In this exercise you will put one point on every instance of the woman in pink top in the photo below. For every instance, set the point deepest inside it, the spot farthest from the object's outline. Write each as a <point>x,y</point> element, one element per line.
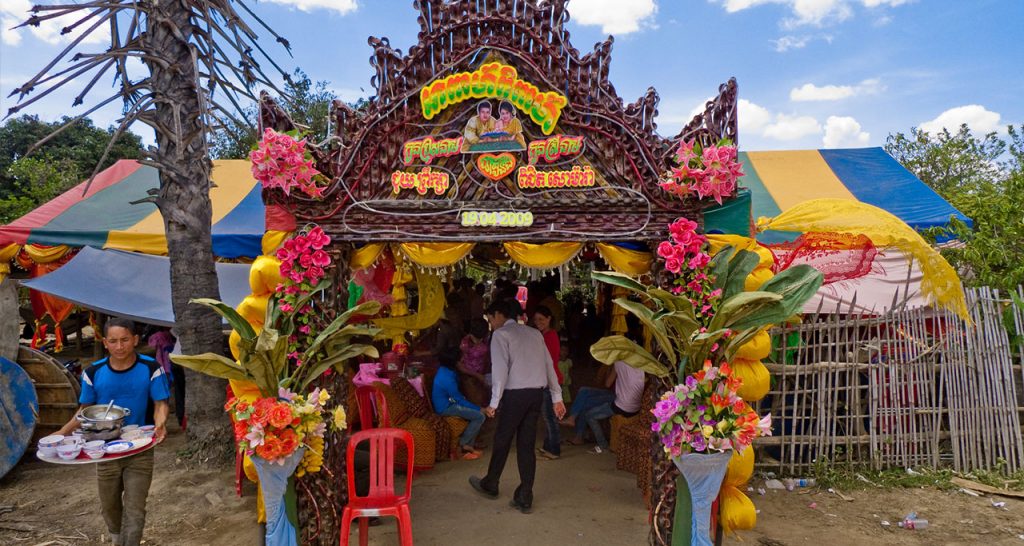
<point>543,320</point>
<point>475,362</point>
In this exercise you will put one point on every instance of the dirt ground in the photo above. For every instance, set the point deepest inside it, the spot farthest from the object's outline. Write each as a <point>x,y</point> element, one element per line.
<point>580,499</point>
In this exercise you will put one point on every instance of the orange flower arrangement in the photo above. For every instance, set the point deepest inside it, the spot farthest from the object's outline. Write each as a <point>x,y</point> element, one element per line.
<point>273,429</point>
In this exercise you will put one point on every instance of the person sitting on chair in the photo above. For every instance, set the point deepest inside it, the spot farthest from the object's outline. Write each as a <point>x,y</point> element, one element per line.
<point>449,401</point>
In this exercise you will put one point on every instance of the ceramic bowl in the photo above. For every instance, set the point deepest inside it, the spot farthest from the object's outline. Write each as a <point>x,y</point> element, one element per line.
<point>68,451</point>
<point>130,435</point>
<point>94,453</point>
<point>72,441</point>
<point>48,445</point>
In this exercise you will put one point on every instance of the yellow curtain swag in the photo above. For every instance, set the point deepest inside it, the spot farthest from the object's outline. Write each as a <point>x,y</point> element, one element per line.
<point>626,261</point>
<point>542,256</point>
<point>46,254</point>
<point>940,283</point>
<point>434,255</point>
<point>365,256</point>
<point>7,254</point>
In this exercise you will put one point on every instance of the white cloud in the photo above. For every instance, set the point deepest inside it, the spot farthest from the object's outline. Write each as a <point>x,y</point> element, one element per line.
<point>614,16</point>
<point>809,12</point>
<point>15,12</point>
<point>7,35</point>
<point>844,132</point>
<point>979,119</point>
<point>793,127</point>
<point>343,7</point>
<point>891,3</point>
<point>790,42</point>
<point>810,92</point>
<point>752,117</point>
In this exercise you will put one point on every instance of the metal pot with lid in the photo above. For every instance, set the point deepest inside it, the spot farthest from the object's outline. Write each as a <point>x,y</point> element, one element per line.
<point>100,424</point>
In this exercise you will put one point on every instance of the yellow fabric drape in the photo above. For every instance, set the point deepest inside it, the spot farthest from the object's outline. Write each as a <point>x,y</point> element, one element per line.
<point>435,254</point>
<point>431,305</point>
<point>739,242</point>
<point>365,256</point>
<point>272,240</point>
<point>46,254</point>
<point>736,510</point>
<point>624,260</point>
<point>542,256</point>
<point>618,325</point>
<point>940,283</point>
<point>7,254</point>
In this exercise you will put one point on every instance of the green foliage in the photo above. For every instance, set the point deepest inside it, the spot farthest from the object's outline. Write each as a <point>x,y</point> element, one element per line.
<point>263,357</point>
<point>307,102</point>
<point>983,178</point>
<point>27,181</point>
<point>677,330</point>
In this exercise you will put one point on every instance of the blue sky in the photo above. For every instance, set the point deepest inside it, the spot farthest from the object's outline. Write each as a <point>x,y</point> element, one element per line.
<point>811,73</point>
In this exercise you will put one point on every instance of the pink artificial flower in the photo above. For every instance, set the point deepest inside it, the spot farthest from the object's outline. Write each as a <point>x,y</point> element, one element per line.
<point>255,435</point>
<point>286,308</point>
<point>315,273</point>
<point>699,261</point>
<point>295,277</point>
<point>286,394</point>
<point>305,260</point>
<point>685,152</point>
<point>666,250</point>
<point>321,258</point>
<point>284,254</point>
<point>304,329</point>
<point>673,265</point>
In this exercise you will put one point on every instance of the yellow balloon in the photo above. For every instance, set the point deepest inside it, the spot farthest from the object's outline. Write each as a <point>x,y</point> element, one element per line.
<point>253,309</point>
<point>233,340</point>
<point>757,348</point>
<point>755,376</point>
<point>265,275</point>
<point>741,467</point>
<point>737,512</point>
<point>756,278</point>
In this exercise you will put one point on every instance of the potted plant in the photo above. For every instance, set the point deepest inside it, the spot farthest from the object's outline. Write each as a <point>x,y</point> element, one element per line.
<point>698,318</point>
<point>293,348</point>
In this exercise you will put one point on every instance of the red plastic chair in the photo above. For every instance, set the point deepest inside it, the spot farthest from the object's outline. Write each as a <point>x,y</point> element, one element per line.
<point>371,403</point>
<point>381,499</point>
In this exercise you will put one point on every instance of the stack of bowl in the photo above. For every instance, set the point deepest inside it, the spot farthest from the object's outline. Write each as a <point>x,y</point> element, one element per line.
<point>69,448</point>
<point>48,445</point>
<point>94,449</point>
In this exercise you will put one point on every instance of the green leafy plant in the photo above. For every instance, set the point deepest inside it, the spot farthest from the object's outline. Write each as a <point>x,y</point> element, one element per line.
<point>685,338</point>
<point>263,357</point>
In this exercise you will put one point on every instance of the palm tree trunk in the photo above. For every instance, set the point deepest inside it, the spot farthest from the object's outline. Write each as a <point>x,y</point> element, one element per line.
<point>184,202</point>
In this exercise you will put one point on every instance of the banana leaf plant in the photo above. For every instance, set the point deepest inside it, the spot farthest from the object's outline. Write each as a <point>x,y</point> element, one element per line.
<point>686,341</point>
<point>263,356</point>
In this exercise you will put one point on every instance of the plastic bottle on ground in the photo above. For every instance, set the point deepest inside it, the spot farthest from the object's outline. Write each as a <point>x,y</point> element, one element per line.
<point>915,523</point>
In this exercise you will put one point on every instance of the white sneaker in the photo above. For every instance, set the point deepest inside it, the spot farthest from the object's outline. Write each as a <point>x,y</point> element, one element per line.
<point>596,450</point>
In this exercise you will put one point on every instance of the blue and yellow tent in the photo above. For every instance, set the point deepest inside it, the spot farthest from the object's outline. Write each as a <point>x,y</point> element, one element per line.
<point>103,217</point>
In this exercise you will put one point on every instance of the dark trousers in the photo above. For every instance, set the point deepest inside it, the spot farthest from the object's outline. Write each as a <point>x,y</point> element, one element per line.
<point>517,416</point>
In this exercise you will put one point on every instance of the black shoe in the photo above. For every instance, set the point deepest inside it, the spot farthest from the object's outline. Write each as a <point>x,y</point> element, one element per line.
<point>524,508</point>
<point>475,482</point>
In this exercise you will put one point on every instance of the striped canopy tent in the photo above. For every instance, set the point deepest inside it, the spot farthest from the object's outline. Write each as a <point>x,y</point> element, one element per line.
<point>854,268</point>
<point>104,216</point>
<point>780,180</point>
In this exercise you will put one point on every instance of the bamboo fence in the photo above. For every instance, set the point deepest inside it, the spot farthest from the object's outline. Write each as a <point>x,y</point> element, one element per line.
<point>911,387</point>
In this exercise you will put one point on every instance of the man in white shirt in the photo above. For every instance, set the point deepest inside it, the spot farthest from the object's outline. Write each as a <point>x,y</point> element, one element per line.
<point>522,374</point>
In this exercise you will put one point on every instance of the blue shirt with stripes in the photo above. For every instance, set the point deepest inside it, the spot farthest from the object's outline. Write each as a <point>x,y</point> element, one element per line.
<point>135,388</point>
